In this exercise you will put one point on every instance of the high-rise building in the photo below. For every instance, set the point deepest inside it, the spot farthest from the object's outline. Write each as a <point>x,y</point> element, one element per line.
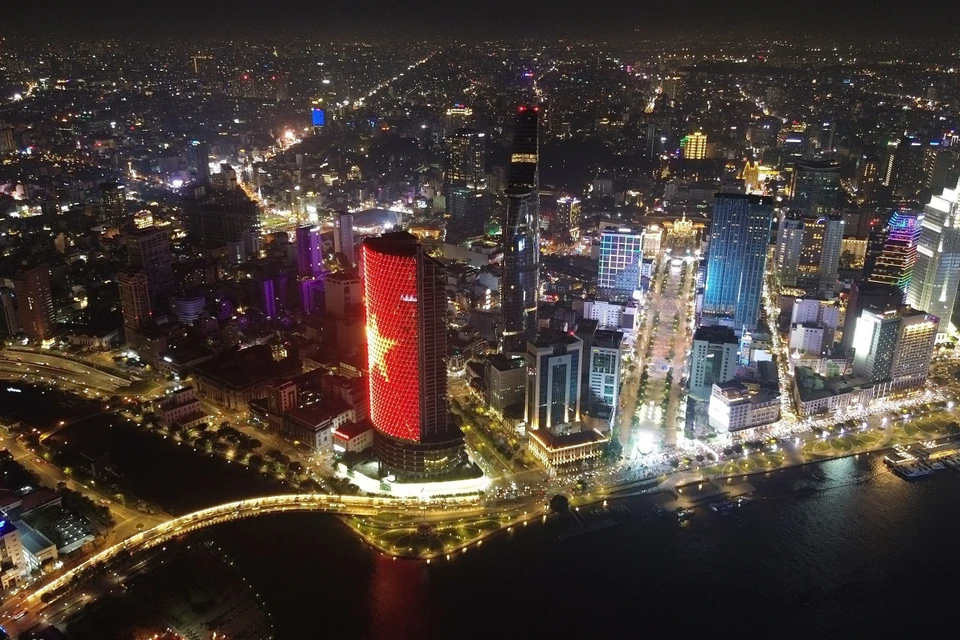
<point>694,146</point>
<point>35,303</point>
<point>8,143</point>
<point>465,189</point>
<point>199,161</point>
<point>457,117</point>
<point>819,260</point>
<point>308,251</point>
<point>895,346</point>
<point>618,268</point>
<point>713,359</point>
<point>815,188</point>
<point>222,215</point>
<point>343,237</point>
<point>941,169</point>
<point>651,240</point>
<point>12,556</point>
<point>554,360</point>
<point>567,217</point>
<point>344,294</point>
<point>907,178</point>
<point>406,347</point>
<point>739,235</point>
<point>148,250</point>
<point>894,264</point>
<point>877,233</point>
<point>936,274</point>
<point>266,295</point>
<point>789,244</point>
<point>519,285</point>
<point>113,199</point>
<point>867,296</point>
<point>134,302</point>
<point>11,323</point>
<point>603,369</point>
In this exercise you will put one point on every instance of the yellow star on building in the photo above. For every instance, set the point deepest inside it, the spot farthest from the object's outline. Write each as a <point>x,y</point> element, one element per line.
<point>378,346</point>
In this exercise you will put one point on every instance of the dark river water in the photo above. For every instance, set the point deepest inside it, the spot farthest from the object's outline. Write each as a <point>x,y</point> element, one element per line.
<point>842,549</point>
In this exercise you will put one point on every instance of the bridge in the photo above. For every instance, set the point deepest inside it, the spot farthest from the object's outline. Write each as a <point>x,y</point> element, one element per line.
<point>60,372</point>
<point>417,511</point>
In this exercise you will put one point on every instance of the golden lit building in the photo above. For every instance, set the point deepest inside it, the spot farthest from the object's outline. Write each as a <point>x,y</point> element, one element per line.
<point>694,146</point>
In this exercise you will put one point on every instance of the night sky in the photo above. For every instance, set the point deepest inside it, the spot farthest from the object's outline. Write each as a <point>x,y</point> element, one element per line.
<point>432,19</point>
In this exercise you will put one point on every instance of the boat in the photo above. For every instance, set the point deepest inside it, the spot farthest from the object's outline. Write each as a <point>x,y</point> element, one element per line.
<point>723,507</point>
<point>913,470</point>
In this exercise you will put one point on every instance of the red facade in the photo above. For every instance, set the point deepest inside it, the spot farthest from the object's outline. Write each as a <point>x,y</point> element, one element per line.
<point>390,289</point>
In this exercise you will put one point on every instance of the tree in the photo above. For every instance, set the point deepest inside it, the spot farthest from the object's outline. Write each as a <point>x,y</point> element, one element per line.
<point>559,503</point>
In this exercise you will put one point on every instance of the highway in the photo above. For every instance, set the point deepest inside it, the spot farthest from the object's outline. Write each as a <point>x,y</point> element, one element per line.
<point>60,372</point>
<point>431,511</point>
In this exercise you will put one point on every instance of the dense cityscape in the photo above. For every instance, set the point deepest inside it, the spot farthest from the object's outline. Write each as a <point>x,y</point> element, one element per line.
<point>447,292</point>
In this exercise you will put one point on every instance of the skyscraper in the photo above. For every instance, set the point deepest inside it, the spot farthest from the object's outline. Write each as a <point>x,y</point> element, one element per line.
<point>308,251</point>
<point>618,269</point>
<point>519,285</point>
<point>134,302</point>
<point>148,250</point>
<point>35,303</point>
<point>907,179</point>
<point>815,187</point>
<point>343,237</point>
<point>113,199</point>
<point>895,345</point>
<point>739,235</point>
<point>464,188</point>
<point>554,359</point>
<point>820,247</point>
<point>567,217</point>
<point>603,369</point>
<point>694,146</point>
<point>406,346</point>
<point>713,359</point>
<point>8,312</point>
<point>222,215</point>
<point>895,262</point>
<point>867,296</point>
<point>933,285</point>
<point>789,244</point>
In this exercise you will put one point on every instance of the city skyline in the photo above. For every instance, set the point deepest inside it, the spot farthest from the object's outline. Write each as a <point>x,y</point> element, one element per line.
<point>290,318</point>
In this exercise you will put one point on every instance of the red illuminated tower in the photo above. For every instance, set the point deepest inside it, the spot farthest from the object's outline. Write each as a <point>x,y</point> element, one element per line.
<point>406,345</point>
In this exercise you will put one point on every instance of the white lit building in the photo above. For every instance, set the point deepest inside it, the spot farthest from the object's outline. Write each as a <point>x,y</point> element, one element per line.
<point>735,406</point>
<point>895,346</point>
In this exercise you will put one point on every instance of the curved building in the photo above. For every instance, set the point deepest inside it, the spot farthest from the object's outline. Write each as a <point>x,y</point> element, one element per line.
<point>519,285</point>
<point>406,344</point>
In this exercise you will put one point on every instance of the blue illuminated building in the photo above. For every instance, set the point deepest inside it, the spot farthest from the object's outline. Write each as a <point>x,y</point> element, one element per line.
<point>318,116</point>
<point>737,258</point>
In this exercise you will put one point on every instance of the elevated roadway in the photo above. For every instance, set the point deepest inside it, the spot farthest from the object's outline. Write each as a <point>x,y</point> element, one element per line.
<point>416,511</point>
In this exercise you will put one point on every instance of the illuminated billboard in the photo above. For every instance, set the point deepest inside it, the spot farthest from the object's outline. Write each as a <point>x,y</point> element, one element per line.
<point>319,116</point>
<point>390,288</point>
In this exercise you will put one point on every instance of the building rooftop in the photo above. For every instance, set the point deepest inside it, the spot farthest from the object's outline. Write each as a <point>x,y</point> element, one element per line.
<point>735,391</point>
<point>353,429</point>
<point>34,541</point>
<point>607,339</point>
<point>576,439</point>
<point>716,334</point>
<point>546,339</point>
<point>501,362</point>
<point>248,366</point>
